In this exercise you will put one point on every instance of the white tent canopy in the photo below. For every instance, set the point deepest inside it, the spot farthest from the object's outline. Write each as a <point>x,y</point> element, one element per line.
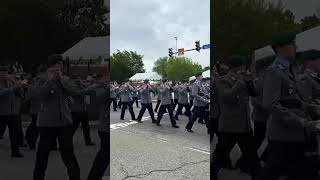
<point>305,41</point>
<point>205,74</point>
<point>152,76</point>
<point>89,48</point>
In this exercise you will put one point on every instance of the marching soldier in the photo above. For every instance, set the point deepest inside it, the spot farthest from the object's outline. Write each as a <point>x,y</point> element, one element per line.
<point>233,91</point>
<point>146,101</point>
<point>158,99</point>
<point>113,97</point>
<point>79,112</point>
<point>286,127</point>
<point>10,94</point>
<point>182,101</point>
<point>135,96</point>
<point>165,92</point>
<point>102,159</point>
<point>175,96</point>
<point>126,100</point>
<point>200,101</point>
<point>55,122</point>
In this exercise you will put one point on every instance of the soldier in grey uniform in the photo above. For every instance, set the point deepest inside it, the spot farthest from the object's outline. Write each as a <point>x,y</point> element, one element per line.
<point>113,97</point>
<point>165,91</point>
<point>234,126</point>
<point>183,100</point>
<point>191,98</point>
<point>55,121</point>
<point>286,127</point>
<point>32,131</point>
<point>79,109</point>
<point>175,96</point>
<point>126,100</point>
<point>200,101</point>
<point>146,101</point>
<point>158,99</point>
<point>102,159</point>
<point>135,96</point>
<point>9,108</point>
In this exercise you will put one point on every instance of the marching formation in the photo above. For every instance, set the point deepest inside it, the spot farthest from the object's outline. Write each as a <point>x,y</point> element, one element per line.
<point>194,98</point>
<point>58,104</point>
<point>278,106</point>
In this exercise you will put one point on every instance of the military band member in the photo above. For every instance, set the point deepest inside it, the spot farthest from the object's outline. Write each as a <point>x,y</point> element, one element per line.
<point>126,100</point>
<point>175,96</point>
<point>55,122</point>
<point>135,96</point>
<point>182,100</point>
<point>10,95</point>
<point>286,127</point>
<point>200,102</point>
<point>113,97</point>
<point>102,159</point>
<point>158,99</point>
<point>165,91</point>
<point>79,110</point>
<point>146,101</point>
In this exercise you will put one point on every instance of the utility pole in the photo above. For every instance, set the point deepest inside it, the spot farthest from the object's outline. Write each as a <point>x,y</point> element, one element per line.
<point>176,43</point>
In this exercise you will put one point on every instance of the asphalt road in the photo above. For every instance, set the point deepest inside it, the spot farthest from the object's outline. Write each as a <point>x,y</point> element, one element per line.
<point>146,151</point>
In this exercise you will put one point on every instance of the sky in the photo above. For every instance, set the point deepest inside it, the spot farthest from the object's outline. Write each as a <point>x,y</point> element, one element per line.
<point>149,27</point>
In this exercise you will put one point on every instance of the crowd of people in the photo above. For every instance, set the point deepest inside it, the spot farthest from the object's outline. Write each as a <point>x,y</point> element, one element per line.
<point>171,98</point>
<point>57,105</point>
<point>278,104</point>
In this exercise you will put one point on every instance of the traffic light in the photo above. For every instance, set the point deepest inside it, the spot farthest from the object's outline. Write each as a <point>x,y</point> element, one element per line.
<point>170,52</point>
<point>198,46</point>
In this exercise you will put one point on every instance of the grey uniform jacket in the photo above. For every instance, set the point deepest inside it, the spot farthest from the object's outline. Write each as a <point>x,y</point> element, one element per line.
<point>285,125</point>
<point>309,86</point>
<point>145,96</point>
<point>175,93</point>
<point>165,94</point>
<point>199,100</point>
<point>101,95</point>
<point>35,104</point>
<point>126,94</point>
<point>157,90</point>
<point>79,104</point>
<point>10,101</point>
<point>259,113</point>
<point>232,96</point>
<point>55,97</point>
<point>113,93</point>
<point>183,95</point>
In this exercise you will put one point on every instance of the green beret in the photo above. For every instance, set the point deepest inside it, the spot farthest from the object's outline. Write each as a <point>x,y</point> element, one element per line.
<point>310,55</point>
<point>198,74</point>
<point>283,38</point>
<point>236,61</point>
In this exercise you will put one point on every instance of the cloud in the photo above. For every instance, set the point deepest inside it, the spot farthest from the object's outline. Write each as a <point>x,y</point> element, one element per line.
<point>149,27</point>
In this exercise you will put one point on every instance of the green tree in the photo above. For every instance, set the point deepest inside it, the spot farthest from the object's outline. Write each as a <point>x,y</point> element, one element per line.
<point>241,26</point>
<point>206,68</point>
<point>309,22</point>
<point>125,64</point>
<point>181,68</point>
<point>160,66</point>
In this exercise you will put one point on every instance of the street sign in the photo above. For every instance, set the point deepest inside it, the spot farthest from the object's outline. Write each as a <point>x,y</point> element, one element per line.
<point>181,51</point>
<point>207,46</point>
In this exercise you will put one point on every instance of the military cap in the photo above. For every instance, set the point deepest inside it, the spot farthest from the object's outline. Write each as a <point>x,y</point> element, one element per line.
<point>237,60</point>
<point>198,74</point>
<point>283,38</point>
<point>310,55</point>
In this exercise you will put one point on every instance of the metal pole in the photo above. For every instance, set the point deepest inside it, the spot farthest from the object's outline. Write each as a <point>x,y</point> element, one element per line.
<point>176,43</point>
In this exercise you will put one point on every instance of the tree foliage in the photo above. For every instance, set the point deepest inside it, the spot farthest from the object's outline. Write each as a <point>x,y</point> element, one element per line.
<point>176,68</point>
<point>241,26</point>
<point>32,30</point>
<point>125,64</point>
